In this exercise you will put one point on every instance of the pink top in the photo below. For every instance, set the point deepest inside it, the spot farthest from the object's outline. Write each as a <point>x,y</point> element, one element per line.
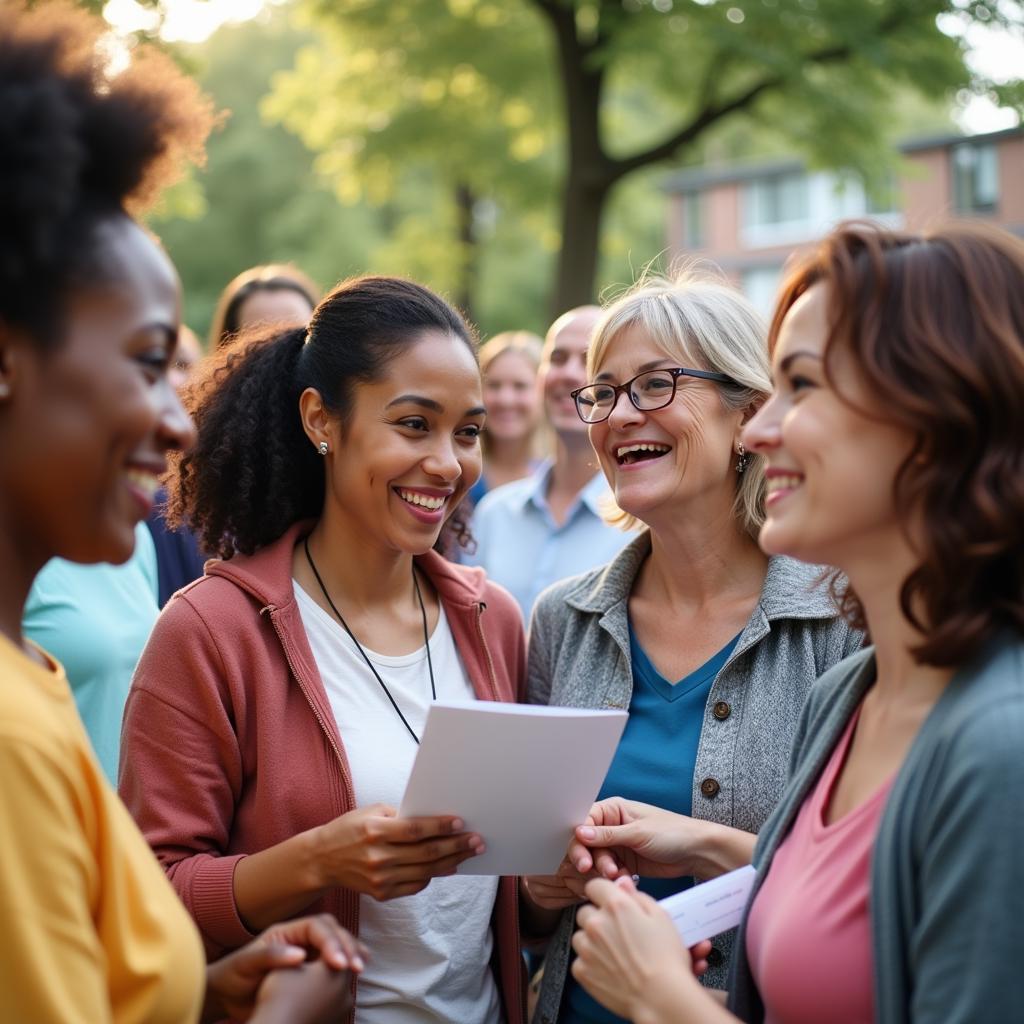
<point>809,933</point>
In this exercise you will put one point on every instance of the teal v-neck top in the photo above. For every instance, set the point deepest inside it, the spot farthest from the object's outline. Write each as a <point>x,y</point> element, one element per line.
<point>654,763</point>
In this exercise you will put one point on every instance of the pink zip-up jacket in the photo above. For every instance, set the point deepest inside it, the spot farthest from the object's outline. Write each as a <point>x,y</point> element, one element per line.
<point>229,746</point>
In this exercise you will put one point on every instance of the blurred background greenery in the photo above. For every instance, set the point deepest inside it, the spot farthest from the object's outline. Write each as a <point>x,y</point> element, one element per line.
<point>510,153</point>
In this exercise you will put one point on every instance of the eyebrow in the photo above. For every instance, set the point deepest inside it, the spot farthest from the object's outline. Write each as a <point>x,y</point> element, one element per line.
<point>788,361</point>
<point>429,403</point>
<point>654,364</point>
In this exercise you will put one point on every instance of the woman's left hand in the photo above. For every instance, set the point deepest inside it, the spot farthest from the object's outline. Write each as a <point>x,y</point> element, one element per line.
<point>629,956</point>
<point>233,982</point>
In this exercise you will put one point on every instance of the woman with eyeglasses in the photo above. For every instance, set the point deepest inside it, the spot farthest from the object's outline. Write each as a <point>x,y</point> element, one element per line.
<point>710,644</point>
<point>889,876</point>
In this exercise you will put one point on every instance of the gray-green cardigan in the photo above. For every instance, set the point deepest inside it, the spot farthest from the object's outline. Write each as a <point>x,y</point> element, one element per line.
<point>579,657</point>
<point>947,873</point>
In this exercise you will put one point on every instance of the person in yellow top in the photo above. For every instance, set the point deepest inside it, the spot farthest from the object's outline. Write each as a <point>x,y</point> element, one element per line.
<point>89,316</point>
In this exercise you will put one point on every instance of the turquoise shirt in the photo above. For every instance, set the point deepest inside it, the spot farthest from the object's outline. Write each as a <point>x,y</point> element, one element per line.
<point>521,546</point>
<point>95,620</point>
<point>654,763</point>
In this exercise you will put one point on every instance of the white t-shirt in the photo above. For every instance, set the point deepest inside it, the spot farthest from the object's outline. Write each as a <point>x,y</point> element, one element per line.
<point>429,953</point>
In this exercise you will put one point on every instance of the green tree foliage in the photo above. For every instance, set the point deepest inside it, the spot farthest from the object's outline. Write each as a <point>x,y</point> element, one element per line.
<point>556,104</point>
<point>263,198</point>
<point>259,198</point>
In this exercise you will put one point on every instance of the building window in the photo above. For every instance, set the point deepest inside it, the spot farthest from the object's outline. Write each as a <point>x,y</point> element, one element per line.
<point>761,287</point>
<point>784,199</point>
<point>693,220</point>
<point>975,178</point>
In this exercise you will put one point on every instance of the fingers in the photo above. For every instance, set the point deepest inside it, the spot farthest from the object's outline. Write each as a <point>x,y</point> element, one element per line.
<point>552,892</point>
<point>699,957</point>
<point>607,865</point>
<point>578,855</point>
<point>414,830</point>
<point>599,890</point>
<point>323,935</point>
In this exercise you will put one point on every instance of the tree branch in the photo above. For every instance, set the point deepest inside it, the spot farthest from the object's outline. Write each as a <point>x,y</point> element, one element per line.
<point>712,112</point>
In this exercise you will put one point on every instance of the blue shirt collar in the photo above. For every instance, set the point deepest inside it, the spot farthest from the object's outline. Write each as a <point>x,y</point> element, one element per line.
<point>536,493</point>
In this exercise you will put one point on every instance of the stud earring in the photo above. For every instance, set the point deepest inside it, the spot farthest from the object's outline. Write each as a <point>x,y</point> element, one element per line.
<point>322,448</point>
<point>744,458</point>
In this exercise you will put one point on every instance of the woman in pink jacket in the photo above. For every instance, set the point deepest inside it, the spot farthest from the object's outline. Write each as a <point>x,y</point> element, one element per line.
<point>275,713</point>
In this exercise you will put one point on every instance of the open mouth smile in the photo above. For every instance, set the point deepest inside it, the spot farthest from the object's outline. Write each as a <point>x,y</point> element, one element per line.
<point>778,485</point>
<point>646,451</point>
<point>427,508</point>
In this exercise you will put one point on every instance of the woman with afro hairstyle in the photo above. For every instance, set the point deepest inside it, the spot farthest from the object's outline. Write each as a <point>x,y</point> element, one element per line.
<point>276,711</point>
<point>89,317</point>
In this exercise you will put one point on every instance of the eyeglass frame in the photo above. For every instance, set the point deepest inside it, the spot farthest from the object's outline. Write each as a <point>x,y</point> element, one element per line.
<point>675,372</point>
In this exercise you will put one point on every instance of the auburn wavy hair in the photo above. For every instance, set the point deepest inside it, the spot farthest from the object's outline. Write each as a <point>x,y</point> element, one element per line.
<point>935,323</point>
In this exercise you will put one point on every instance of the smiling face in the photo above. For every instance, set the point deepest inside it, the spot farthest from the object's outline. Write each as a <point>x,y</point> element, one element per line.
<point>409,448</point>
<point>87,427</point>
<point>563,368</point>
<point>831,468</point>
<point>511,397</point>
<point>665,463</point>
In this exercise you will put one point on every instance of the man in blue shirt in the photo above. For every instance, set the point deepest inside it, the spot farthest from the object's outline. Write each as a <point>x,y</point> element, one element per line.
<point>538,530</point>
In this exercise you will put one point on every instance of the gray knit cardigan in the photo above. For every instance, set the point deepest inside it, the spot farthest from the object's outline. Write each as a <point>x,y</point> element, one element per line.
<point>947,870</point>
<point>579,657</point>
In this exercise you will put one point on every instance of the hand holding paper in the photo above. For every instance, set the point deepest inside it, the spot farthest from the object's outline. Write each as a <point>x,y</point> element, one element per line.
<point>629,952</point>
<point>632,952</point>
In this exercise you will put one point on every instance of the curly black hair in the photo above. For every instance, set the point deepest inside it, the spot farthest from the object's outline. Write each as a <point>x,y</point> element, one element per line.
<point>81,141</point>
<point>253,472</point>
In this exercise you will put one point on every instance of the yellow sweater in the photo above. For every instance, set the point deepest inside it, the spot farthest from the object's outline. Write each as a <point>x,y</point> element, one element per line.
<point>92,930</point>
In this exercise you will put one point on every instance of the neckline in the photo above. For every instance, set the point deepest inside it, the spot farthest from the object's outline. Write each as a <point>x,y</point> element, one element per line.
<point>307,600</point>
<point>825,789</point>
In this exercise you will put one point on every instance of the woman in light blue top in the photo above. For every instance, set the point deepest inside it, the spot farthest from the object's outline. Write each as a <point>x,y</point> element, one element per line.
<point>95,619</point>
<point>710,644</point>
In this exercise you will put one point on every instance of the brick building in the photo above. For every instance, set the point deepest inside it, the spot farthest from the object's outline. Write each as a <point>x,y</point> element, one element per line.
<point>749,218</point>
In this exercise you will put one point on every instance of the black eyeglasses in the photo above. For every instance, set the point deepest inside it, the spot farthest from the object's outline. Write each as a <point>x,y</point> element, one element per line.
<point>651,390</point>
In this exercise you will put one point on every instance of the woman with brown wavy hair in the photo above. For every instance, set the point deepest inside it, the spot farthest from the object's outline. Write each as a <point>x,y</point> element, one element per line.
<point>895,449</point>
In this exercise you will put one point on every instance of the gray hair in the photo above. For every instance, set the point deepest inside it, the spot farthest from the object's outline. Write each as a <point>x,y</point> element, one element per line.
<point>703,322</point>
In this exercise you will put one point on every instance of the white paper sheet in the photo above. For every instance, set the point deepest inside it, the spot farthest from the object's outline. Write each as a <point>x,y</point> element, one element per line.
<point>520,775</point>
<point>710,908</point>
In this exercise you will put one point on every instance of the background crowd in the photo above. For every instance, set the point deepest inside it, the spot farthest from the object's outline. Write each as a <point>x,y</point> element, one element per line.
<point>237,577</point>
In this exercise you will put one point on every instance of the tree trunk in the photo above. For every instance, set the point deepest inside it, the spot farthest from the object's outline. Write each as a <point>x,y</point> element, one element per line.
<point>469,249</point>
<point>582,210</point>
<point>589,174</point>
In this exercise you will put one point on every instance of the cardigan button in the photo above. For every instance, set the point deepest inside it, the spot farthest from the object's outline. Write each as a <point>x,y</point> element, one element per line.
<point>721,710</point>
<point>710,788</point>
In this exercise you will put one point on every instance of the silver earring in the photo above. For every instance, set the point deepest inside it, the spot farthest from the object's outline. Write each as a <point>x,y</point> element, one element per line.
<point>744,458</point>
<point>322,448</point>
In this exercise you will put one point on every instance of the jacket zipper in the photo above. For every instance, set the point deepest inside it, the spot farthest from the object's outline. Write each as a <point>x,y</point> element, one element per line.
<point>480,608</point>
<point>303,686</point>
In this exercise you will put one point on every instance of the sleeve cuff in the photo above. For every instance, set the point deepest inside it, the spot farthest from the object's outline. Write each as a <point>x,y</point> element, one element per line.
<point>213,903</point>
